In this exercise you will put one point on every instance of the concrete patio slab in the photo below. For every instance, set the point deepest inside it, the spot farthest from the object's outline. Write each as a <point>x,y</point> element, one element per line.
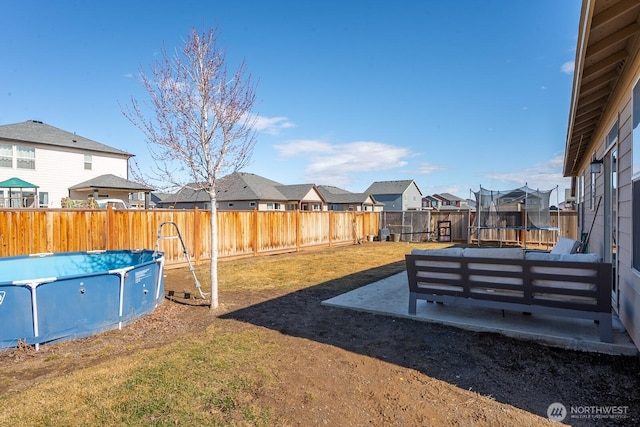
<point>390,297</point>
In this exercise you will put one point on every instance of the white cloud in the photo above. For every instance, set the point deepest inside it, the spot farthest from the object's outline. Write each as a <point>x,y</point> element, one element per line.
<point>568,67</point>
<point>428,168</point>
<point>303,146</point>
<point>272,125</point>
<point>332,163</point>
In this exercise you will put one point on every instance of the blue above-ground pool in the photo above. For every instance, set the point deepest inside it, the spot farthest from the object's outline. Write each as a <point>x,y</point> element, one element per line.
<point>52,297</point>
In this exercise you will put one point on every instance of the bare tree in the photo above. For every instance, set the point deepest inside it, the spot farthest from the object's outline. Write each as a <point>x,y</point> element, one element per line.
<point>200,125</point>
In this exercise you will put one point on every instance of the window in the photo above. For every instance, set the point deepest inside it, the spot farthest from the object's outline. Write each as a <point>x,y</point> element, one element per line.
<point>612,137</point>
<point>253,204</point>
<point>44,199</point>
<point>635,214</point>
<point>230,204</point>
<point>6,156</point>
<point>592,198</point>
<point>87,162</point>
<point>635,142</point>
<point>315,207</point>
<point>25,157</point>
<point>635,167</point>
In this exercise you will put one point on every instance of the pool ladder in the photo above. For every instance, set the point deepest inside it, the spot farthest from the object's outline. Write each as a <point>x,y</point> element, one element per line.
<point>184,250</point>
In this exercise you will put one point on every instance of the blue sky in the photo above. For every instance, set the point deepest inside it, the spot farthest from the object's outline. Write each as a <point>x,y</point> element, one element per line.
<point>453,95</point>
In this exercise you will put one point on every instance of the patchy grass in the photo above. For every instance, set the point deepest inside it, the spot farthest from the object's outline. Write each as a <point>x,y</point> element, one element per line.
<point>199,381</point>
<point>287,272</point>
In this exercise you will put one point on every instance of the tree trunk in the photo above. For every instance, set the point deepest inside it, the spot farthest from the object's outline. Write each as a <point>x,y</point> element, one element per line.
<point>214,255</point>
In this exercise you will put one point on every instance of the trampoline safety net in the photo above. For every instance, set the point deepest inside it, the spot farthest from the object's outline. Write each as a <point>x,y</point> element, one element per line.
<point>495,209</point>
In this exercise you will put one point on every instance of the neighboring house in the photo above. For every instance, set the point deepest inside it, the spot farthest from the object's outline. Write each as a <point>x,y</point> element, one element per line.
<point>247,191</point>
<point>54,160</point>
<point>519,199</point>
<point>430,203</point>
<point>397,195</point>
<point>602,154</point>
<point>304,197</point>
<point>109,186</point>
<point>445,201</point>
<point>154,198</point>
<point>471,203</point>
<point>343,200</point>
<point>448,201</point>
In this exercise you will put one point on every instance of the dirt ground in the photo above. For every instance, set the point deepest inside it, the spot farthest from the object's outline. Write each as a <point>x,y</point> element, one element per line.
<point>347,368</point>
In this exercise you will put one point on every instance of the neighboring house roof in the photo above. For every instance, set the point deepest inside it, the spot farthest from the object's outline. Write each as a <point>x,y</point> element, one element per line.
<point>248,186</point>
<point>187,194</point>
<point>295,192</point>
<point>518,195</point>
<point>233,187</point>
<point>448,196</point>
<point>243,186</point>
<point>159,197</point>
<point>335,195</point>
<point>111,182</point>
<point>607,41</point>
<point>390,187</point>
<point>330,189</point>
<point>34,131</point>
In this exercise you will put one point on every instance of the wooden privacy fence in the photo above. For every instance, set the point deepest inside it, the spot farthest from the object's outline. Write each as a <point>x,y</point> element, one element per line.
<point>240,233</point>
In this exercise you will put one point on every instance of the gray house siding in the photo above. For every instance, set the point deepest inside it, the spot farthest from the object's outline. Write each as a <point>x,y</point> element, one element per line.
<point>237,205</point>
<point>392,202</point>
<point>628,278</point>
<point>412,199</point>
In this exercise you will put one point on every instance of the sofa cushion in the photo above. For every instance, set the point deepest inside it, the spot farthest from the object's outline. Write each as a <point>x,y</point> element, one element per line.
<point>566,246</point>
<point>581,257</point>
<point>498,253</point>
<point>547,256</point>
<point>455,252</point>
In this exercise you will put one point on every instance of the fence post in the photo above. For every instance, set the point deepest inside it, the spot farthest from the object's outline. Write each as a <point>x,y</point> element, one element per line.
<point>110,228</point>
<point>197,237</point>
<point>298,225</point>
<point>256,230</point>
<point>330,227</point>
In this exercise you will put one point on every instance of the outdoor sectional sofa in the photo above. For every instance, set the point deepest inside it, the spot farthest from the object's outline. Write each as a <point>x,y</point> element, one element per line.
<point>554,283</point>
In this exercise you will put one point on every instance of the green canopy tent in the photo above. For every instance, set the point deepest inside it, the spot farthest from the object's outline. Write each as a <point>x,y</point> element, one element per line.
<point>22,202</point>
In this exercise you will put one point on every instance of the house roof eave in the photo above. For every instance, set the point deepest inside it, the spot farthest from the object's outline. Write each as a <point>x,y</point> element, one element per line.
<point>608,35</point>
